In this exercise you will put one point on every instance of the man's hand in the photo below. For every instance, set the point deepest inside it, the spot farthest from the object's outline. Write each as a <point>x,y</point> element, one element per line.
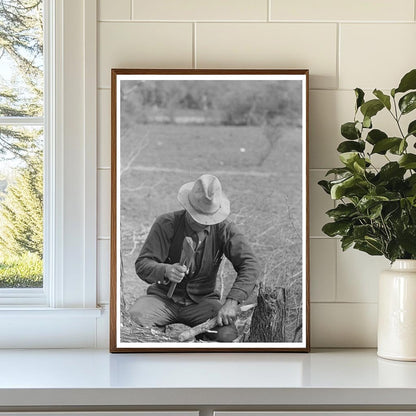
<point>228,313</point>
<point>175,272</point>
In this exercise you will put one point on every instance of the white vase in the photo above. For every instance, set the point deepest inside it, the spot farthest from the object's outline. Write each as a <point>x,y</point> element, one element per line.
<point>397,312</point>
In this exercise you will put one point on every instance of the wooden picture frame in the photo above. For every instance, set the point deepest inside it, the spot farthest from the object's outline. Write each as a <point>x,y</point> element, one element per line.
<point>248,129</point>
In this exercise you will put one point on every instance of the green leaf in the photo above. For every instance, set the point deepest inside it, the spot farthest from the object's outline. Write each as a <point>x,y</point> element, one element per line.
<point>361,231</point>
<point>338,171</point>
<point>325,186</point>
<point>375,211</point>
<point>333,229</point>
<point>359,165</point>
<point>369,201</point>
<point>408,102</point>
<point>411,130</point>
<point>346,242</point>
<point>368,248</point>
<point>371,108</point>
<point>342,179</point>
<point>342,211</point>
<point>413,212</point>
<point>407,239</point>
<point>374,136</point>
<point>411,180</point>
<point>385,99</point>
<point>350,131</point>
<point>408,161</point>
<point>408,82</point>
<point>393,92</point>
<point>359,95</point>
<point>394,251</point>
<point>400,148</point>
<point>411,183</point>
<point>349,146</point>
<point>383,145</point>
<point>374,242</point>
<point>391,170</point>
<point>412,201</point>
<point>349,158</point>
<point>367,122</point>
<point>338,190</point>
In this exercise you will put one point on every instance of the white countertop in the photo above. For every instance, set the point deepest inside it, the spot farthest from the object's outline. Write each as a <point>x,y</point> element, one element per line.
<point>96,377</point>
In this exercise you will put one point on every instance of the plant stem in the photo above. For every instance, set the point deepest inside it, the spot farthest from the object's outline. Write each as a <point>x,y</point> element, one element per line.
<point>397,118</point>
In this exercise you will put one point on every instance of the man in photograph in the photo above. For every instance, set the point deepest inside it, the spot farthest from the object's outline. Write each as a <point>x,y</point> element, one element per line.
<point>180,260</point>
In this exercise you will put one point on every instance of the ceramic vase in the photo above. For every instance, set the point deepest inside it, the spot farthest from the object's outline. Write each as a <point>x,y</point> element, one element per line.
<point>397,312</point>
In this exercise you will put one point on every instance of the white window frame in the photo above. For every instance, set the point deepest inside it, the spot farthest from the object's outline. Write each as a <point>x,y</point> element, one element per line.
<point>34,296</point>
<point>64,313</point>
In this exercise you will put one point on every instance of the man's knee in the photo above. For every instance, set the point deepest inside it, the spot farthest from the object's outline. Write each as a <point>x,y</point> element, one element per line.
<point>150,311</point>
<point>139,316</point>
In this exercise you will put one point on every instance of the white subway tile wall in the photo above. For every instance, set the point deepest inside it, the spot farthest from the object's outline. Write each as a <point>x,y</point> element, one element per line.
<point>114,10</point>
<point>345,44</point>
<point>104,202</point>
<point>103,271</point>
<point>357,275</point>
<point>145,45</point>
<point>270,45</point>
<point>375,55</point>
<point>322,269</point>
<point>349,325</point>
<point>328,109</point>
<point>104,128</point>
<point>355,10</point>
<point>200,10</point>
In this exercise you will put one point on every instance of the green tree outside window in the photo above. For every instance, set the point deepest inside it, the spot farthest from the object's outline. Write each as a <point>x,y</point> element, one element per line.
<point>21,143</point>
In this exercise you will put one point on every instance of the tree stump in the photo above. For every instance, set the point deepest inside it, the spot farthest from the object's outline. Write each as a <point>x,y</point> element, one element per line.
<point>267,324</point>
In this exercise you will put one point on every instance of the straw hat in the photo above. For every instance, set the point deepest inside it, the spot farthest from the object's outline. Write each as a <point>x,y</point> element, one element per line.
<point>205,200</point>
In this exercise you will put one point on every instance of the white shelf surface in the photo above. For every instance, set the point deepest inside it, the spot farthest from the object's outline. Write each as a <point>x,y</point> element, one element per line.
<point>95,377</point>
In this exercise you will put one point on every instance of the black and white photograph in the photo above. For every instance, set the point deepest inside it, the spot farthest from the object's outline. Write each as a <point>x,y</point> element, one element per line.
<point>209,226</point>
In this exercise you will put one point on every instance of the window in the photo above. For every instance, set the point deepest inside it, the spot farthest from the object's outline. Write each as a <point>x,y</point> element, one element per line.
<point>63,313</point>
<point>22,132</point>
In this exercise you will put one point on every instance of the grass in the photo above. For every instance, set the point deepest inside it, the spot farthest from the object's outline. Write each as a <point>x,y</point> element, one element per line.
<point>25,271</point>
<point>265,193</point>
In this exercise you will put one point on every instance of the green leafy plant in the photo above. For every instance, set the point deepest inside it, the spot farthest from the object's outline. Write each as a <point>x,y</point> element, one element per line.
<point>376,210</point>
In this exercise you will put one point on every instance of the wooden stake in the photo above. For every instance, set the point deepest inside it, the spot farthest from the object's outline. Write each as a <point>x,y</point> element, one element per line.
<point>206,326</point>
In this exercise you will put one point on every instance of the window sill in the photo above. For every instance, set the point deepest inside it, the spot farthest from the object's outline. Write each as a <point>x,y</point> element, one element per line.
<point>88,379</point>
<point>36,312</point>
<point>40,327</point>
<point>22,297</point>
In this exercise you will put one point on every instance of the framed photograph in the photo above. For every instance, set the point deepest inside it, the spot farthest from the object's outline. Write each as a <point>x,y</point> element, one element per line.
<point>209,211</point>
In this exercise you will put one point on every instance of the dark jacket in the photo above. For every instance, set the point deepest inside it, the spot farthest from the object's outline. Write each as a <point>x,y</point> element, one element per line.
<point>164,245</point>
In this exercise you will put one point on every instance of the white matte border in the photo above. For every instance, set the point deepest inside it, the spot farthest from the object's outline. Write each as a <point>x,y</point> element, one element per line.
<point>219,77</point>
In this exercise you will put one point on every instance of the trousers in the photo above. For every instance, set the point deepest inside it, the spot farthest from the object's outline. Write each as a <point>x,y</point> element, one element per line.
<point>153,310</point>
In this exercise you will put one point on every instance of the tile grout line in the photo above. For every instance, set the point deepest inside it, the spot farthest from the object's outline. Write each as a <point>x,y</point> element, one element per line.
<point>322,237</point>
<point>338,65</point>
<point>343,303</point>
<point>194,62</point>
<point>131,9</point>
<point>310,89</point>
<point>336,271</point>
<point>269,11</point>
<point>310,169</point>
<point>308,22</point>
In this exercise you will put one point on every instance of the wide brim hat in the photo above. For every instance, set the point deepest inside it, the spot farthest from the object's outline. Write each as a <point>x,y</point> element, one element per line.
<point>204,200</point>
